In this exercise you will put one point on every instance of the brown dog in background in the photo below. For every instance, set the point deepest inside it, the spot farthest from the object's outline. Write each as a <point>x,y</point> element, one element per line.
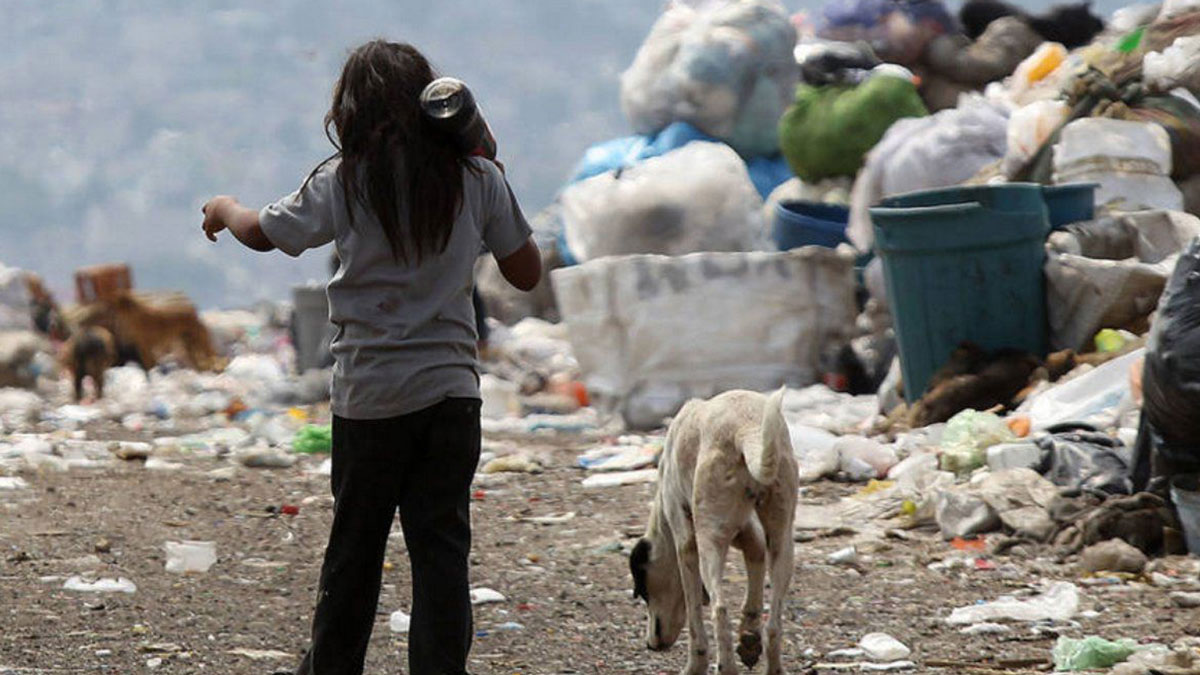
<point>88,353</point>
<point>157,329</point>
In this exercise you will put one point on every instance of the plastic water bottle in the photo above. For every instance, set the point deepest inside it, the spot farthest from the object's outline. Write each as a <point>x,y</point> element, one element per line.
<point>451,106</point>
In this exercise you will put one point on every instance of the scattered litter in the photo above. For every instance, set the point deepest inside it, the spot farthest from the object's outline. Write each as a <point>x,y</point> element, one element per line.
<point>13,483</point>
<point>400,621</point>
<point>551,520</point>
<point>262,654</point>
<point>513,464</point>
<point>312,439</point>
<point>1059,601</point>
<point>1112,556</point>
<point>484,596</point>
<point>985,628</point>
<point>881,647</point>
<point>845,556</point>
<point>184,557</point>
<point>1091,652</point>
<point>119,585</point>
<point>621,478</point>
<point>262,457</point>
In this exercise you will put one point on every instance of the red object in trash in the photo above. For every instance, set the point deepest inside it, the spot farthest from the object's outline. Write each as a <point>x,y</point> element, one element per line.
<point>961,544</point>
<point>289,510</point>
<point>478,495</point>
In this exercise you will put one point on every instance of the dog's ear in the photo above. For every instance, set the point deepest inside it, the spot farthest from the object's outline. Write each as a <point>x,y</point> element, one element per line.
<point>638,559</point>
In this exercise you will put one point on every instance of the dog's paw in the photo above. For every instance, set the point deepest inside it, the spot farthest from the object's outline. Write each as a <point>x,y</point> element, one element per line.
<point>696,666</point>
<point>749,649</point>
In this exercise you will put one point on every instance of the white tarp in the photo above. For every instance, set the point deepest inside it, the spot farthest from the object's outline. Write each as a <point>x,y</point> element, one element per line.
<point>650,332</point>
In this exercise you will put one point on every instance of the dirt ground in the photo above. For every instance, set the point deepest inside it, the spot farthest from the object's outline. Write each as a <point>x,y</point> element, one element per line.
<point>566,583</point>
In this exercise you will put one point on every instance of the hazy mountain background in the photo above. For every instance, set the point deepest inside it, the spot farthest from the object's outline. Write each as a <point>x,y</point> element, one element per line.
<point>118,118</point>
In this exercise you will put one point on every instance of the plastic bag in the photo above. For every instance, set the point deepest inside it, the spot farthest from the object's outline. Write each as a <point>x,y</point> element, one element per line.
<point>1171,379</point>
<point>728,69</point>
<point>1091,652</point>
<point>1028,130</point>
<point>1038,66</point>
<point>313,439</point>
<point>945,149</point>
<point>1058,602</point>
<point>1093,398</point>
<point>1172,8</point>
<point>1175,66</point>
<point>697,198</point>
<point>967,437</point>
<point>1087,460</point>
<point>828,131</point>
<point>898,32</point>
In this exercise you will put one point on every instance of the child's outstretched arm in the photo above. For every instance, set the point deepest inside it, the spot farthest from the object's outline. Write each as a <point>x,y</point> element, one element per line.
<point>225,213</point>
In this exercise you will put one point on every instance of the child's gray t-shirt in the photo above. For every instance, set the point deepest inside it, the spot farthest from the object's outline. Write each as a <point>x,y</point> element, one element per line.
<point>405,333</point>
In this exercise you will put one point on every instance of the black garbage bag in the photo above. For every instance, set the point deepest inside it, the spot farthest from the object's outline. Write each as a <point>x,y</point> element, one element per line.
<point>1169,436</point>
<point>1086,460</point>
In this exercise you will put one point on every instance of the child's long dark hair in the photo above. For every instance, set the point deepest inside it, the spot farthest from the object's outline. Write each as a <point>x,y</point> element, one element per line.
<point>388,147</point>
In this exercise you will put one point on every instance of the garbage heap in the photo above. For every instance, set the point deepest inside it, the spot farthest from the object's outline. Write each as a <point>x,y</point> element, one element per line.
<point>962,241</point>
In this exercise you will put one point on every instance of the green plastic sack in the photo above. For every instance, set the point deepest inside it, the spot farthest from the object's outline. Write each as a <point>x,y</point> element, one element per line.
<point>313,439</point>
<point>1091,652</point>
<point>967,437</point>
<point>829,130</point>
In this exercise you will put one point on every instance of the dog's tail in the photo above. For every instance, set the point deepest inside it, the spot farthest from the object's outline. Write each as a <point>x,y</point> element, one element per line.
<point>764,452</point>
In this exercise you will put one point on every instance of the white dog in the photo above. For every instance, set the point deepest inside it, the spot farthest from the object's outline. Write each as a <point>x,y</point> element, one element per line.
<point>727,477</point>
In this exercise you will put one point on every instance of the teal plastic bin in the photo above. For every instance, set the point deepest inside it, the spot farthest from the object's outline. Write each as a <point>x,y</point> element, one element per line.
<point>963,264</point>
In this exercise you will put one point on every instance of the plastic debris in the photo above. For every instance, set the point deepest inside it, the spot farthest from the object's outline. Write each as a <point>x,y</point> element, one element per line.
<point>185,557</point>
<point>1091,652</point>
<point>967,437</point>
<point>1059,601</point>
<point>484,596</point>
<point>13,483</point>
<point>313,439</point>
<point>621,478</point>
<point>399,622</point>
<point>881,647</point>
<point>118,585</point>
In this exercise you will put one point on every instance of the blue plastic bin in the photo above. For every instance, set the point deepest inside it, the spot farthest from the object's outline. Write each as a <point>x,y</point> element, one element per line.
<point>799,223</point>
<point>963,264</point>
<point>1070,203</point>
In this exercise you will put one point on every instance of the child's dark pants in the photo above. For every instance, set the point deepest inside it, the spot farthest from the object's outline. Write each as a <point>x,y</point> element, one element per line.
<point>421,464</point>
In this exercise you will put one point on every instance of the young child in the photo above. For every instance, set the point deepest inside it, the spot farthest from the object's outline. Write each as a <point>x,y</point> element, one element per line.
<point>407,212</point>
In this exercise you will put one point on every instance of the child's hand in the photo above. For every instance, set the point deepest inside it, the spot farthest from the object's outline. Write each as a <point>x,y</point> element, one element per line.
<point>215,215</point>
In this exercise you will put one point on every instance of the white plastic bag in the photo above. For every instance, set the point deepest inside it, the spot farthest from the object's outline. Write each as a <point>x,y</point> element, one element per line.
<point>184,557</point>
<point>815,452</point>
<point>728,69</point>
<point>1058,602</point>
<point>696,198</point>
<point>1093,398</point>
<point>921,153</point>
<point>1175,66</point>
<point>1172,8</point>
<point>1029,128</point>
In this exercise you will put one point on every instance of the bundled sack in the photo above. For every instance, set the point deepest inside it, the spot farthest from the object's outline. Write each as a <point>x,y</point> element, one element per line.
<point>650,332</point>
<point>697,198</point>
<point>828,131</point>
<point>920,153</point>
<point>898,30</point>
<point>1130,160</point>
<point>728,69</point>
<point>1110,273</point>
